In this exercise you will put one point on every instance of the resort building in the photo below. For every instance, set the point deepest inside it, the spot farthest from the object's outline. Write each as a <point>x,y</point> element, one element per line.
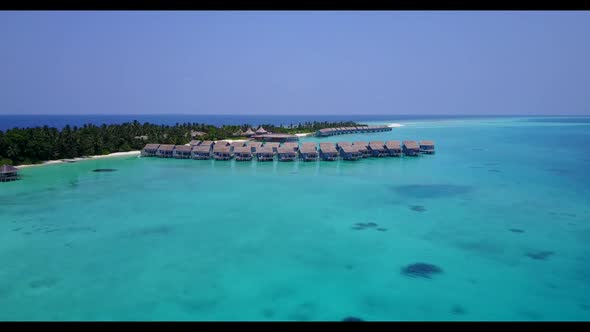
<point>238,133</point>
<point>411,148</point>
<point>165,151</point>
<point>238,144</point>
<point>197,134</point>
<point>222,151</point>
<point>261,131</point>
<point>249,132</point>
<point>224,143</point>
<point>201,152</point>
<point>377,149</point>
<point>341,144</point>
<point>195,143</point>
<point>207,143</point>
<point>427,147</point>
<point>394,148</point>
<point>150,150</point>
<point>264,153</point>
<point>350,152</point>
<point>242,153</point>
<point>182,151</point>
<point>308,152</point>
<point>286,154</point>
<point>328,151</point>
<point>362,148</point>
<point>8,173</point>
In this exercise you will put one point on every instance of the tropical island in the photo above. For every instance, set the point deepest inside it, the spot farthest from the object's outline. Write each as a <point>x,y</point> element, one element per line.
<point>22,146</point>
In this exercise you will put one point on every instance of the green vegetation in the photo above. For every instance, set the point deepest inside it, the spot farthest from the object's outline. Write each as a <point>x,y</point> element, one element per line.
<point>35,145</point>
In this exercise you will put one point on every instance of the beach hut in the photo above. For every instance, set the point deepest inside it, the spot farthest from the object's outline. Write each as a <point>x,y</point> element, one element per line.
<point>350,152</point>
<point>411,148</point>
<point>194,143</point>
<point>286,153</point>
<point>238,133</point>
<point>149,150</point>
<point>291,145</point>
<point>261,131</point>
<point>308,152</point>
<point>222,151</point>
<point>197,134</point>
<point>328,151</point>
<point>362,147</point>
<point>249,132</point>
<point>264,153</point>
<point>273,145</point>
<point>201,152</point>
<point>165,151</point>
<point>242,153</point>
<point>8,173</point>
<point>394,148</point>
<point>255,146</point>
<point>182,151</point>
<point>377,149</point>
<point>427,147</point>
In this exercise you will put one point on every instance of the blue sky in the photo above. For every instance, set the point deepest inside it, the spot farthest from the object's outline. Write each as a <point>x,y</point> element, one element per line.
<point>295,62</point>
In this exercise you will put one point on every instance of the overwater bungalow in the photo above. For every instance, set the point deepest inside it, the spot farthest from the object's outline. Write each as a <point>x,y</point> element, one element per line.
<point>292,145</point>
<point>308,151</point>
<point>351,130</point>
<point>350,152</point>
<point>242,153</point>
<point>394,148</point>
<point>264,153</point>
<point>362,147</point>
<point>378,149</point>
<point>165,151</point>
<point>195,143</point>
<point>328,151</point>
<point>202,152</point>
<point>224,143</point>
<point>254,146</point>
<point>411,148</point>
<point>286,153</point>
<point>150,150</point>
<point>261,131</point>
<point>427,147</point>
<point>8,173</point>
<point>273,145</point>
<point>182,151</point>
<point>222,151</point>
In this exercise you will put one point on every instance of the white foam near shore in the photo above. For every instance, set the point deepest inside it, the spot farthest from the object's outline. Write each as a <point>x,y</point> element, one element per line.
<point>64,161</point>
<point>395,125</point>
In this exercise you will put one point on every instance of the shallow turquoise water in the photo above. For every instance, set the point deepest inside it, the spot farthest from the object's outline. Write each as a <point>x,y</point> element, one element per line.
<point>205,240</point>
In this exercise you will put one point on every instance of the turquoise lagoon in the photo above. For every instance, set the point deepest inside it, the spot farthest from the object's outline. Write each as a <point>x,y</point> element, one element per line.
<point>503,210</point>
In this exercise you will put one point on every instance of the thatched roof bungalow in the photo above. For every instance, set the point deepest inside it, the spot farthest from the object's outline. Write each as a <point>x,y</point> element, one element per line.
<point>377,149</point>
<point>291,145</point>
<point>8,173</point>
<point>286,153</point>
<point>264,153</point>
<point>149,150</point>
<point>165,151</point>
<point>328,151</point>
<point>350,152</point>
<point>242,153</point>
<point>308,151</point>
<point>238,144</point>
<point>222,151</point>
<point>182,151</point>
<point>254,146</point>
<point>261,131</point>
<point>195,142</point>
<point>362,147</point>
<point>427,147</point>
<point>207,143</point>
<point>202,152</point>
<point>249,132</point>
<point>273,145</point>
<point>394,148</point>
<point>411,148</point>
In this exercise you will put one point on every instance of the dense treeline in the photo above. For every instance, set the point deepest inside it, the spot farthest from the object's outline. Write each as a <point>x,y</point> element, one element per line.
<point>33,145</point>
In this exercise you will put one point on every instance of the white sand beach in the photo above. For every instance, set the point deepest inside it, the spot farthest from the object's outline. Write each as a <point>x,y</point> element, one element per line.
<point>64,161</point>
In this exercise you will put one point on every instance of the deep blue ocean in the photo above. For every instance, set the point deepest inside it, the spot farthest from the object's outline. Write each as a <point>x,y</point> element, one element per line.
<point>60,121</point>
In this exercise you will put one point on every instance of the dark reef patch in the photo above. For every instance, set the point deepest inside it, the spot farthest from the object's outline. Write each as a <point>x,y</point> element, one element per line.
<point>494,170</point>
<point>43,283</point>
<point>99,170</point>
<point>352,319</point>
<point>417,208</point>
<point>457,310</point>
<point>268,313</point>
<point>17,229</point>
<point>516,230</point>
<point>563,214</point>
<point>156,230</point>
<point>421,270</point>
<point>349,267</point>
<point>432,190</point>
<point>381,229</point>
<point>558,170</point>
<point>540,255</point>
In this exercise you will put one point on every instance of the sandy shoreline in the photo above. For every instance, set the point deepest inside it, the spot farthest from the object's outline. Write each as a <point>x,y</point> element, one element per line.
<point>65,161</point>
